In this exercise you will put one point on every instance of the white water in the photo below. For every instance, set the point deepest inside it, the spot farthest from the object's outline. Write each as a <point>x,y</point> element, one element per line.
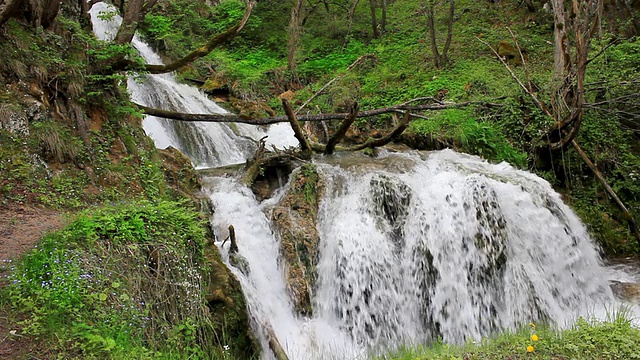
<point>413,246</point>
<point>207,144</point>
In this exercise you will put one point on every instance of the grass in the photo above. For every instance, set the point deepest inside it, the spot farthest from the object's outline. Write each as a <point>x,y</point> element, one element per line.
<point>120,282</point>
<point>615,338</point>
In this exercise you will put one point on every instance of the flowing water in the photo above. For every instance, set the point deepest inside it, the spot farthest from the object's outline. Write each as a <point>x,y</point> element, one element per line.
<point>414,246</point>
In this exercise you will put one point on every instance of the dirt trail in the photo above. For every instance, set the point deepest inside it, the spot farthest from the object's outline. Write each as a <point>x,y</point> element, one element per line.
<point>21,226</point>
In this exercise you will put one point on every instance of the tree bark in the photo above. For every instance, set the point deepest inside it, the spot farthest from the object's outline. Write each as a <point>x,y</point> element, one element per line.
<point>295,125</point>
<point>342,130</point>
<point>383,21</point>
<point>374,21</point>
<point>294,34</point>
<point>432,33</point>
<point>134,13</point>
<point>8,9</point>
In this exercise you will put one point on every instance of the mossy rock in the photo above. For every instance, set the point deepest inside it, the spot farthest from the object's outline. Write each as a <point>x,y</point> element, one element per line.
<point>228,308</point>
<point>295,219</point>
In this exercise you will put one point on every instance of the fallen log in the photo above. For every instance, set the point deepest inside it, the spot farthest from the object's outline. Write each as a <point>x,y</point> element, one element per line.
<point>225,118</point>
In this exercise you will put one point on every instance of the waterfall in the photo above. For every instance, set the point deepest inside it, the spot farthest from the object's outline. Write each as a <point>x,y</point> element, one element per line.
<point>206,144</point>
<point>413,246</point>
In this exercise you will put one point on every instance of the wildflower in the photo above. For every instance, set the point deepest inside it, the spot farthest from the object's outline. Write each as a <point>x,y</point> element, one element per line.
<point>534,337</point>
<point>529,348</point>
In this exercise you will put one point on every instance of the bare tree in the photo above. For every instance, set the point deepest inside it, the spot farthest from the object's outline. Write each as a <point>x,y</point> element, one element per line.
<point>294,33</point>
<point>374,21</point>
<point>580,19</point>
<point>439,58</point>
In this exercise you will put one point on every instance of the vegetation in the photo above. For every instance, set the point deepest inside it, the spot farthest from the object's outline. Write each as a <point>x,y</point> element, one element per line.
<point>616,338</point>
<point>254,66</point>
<point>108,285</point>
<point>122,282</point>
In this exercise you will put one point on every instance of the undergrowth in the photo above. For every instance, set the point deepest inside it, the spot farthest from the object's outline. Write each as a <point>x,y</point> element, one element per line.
<point>119,282</point>
<point>615,338</point>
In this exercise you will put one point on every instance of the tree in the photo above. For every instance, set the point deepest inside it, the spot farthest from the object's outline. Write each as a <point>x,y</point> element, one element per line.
<point>374,21</point>
<point>575,24</point>
<point>439,58</point>
<point>294,33</point>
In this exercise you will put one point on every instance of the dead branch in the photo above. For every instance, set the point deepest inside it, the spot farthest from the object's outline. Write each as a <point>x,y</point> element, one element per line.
<point>222,118</point>
<point>535,99</point>
<point>335,139</point>
<point>633,226</point>
<point>204,49</point>
<point>399,129</point>
<point>232,236</point>
<point>295,125</point>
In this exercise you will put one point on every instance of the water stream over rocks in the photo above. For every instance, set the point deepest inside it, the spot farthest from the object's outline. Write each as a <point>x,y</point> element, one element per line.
<point>413,247</point>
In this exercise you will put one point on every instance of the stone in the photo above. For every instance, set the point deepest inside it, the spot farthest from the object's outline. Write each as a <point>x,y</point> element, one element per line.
<point>626,291</point>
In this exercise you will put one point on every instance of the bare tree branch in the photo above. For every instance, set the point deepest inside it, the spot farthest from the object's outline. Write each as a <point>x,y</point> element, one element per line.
<point>204,49</point>
<point>225,118</point>
<point>295,125</point>
<point>342,130</point>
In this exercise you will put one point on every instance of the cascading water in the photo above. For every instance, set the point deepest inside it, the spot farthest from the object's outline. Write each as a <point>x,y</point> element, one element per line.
<point>414,246</point>
<point>206,144</point>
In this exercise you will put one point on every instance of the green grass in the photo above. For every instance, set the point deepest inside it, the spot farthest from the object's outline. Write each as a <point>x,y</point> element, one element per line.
<point>613,339</point>
<point>119,282</point>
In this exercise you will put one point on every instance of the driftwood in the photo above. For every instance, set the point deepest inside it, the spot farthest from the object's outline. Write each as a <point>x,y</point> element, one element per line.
<point>342,130</point>
<point>232,237</point>
<point>274,344</point>
<point>295,125</point>
<point>223,118</point>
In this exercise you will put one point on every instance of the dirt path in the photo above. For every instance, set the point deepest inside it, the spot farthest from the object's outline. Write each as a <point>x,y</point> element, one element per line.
<point>20,229</point>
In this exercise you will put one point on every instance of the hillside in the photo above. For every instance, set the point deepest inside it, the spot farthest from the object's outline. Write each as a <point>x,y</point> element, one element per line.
<point>72,143</point>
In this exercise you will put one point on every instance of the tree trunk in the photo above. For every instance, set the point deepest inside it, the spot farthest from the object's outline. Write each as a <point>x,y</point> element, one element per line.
<point>432,33</point>
<point>294,34</point>
<point>374,21</point>
<point>8,8</point>
<point>134,13</point>
<point>383,21</point>
<point>352,13</point>
<point>447,44</point>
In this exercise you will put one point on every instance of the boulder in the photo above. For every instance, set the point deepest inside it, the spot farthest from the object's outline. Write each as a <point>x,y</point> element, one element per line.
<point>626,291</point>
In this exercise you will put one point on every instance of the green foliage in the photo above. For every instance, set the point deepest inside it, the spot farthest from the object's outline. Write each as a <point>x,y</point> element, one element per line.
<point>615,338</point>
<point>311,178</point>
<point>118,282</point>
<point>462,130</point>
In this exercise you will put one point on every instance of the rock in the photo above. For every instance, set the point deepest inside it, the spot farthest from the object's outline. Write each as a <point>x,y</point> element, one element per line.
<point>626,291</point>
<point>228,306</point>
<point>294,219</point>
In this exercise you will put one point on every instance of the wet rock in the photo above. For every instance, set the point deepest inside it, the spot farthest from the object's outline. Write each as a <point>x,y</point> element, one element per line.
<point>227,305</point>
<point>626,291</point>
<point>294,219</point>
<point>391,201</point>
<point>180,174</point>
